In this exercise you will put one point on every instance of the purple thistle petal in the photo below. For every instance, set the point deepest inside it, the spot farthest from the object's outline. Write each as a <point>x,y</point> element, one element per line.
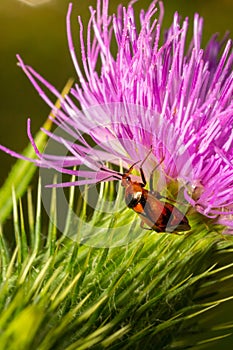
<point>16,155</point>
<point>37,152</point>
<point>178,102</point>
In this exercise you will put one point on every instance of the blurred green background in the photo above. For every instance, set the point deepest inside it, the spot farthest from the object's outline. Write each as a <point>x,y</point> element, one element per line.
<point>38,34</point>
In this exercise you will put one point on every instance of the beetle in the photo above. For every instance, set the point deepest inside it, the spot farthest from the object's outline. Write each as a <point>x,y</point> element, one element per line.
<point>160,216</point>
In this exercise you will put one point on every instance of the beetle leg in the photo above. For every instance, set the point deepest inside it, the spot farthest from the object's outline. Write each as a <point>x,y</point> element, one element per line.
<point>142,225</point>
<point>176,233</point>
<point>141,165</point>
<point>157,195</point>
<point>152,172</point>
<point>143,176</point>
<point>155,228</point>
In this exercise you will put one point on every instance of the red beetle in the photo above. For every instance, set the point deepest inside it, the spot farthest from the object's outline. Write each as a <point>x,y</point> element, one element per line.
<point>158,215</point>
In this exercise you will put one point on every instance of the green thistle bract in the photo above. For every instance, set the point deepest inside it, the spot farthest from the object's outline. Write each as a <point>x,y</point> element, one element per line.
<point>152,293</point>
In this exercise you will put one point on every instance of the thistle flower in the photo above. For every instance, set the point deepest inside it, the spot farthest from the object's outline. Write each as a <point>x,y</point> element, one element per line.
<point>148,95</point>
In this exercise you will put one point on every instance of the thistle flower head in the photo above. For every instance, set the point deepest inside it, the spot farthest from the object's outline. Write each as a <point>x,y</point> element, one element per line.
<point>153,92</point>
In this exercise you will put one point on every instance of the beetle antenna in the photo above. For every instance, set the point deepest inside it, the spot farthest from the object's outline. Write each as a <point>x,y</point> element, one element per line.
<point>102,180</point>
<point>111,171</point>
<point>132,166</point>
<point>144,160</point>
